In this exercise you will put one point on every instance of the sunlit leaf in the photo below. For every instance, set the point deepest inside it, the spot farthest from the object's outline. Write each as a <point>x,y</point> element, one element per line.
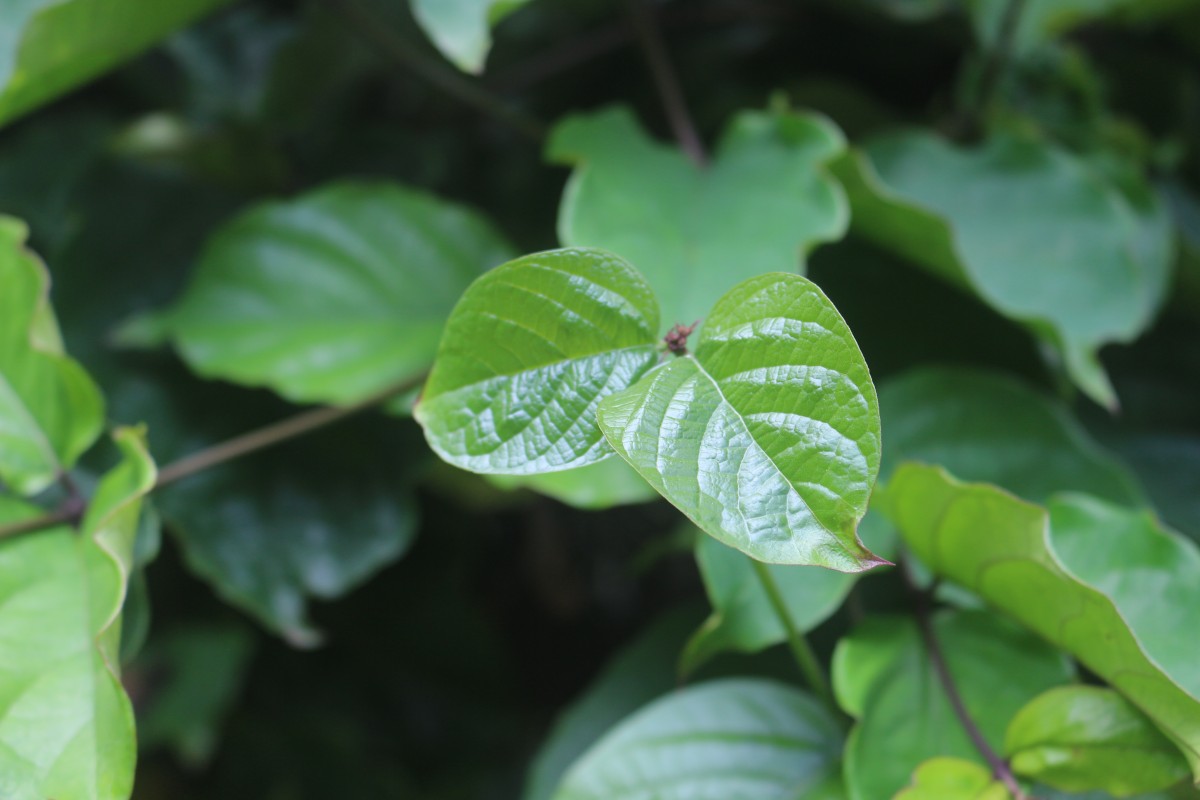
<point>768,437</point>
<point>764,202</point>
<point>461,29</point>
<point>953,779</point>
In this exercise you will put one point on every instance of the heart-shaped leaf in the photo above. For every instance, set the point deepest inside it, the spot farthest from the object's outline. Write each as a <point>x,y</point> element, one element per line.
<point>1081,738</point>
<point>66,723</point>
<point>461,29</point>
<point>761,205</point>
<point>734,739</point>
<point>333,296</point>
<point>768,437</point>
<point>1076,258</point>
<point>1104,583</point>
<point>50,410</point>
<point>529,351</point>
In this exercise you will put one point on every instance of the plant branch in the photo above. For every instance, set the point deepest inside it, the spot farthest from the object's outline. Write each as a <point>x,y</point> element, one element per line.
<point>1000,769</point>
<point>73,508</point>
<point>394,46</point>
<point>667,82</point>
<point>806,659</point>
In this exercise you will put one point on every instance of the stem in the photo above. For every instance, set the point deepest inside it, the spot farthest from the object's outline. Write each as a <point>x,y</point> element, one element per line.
<point>73,508</point>
<point>994,67</point>
<point>667,82</point>
<point>806,659</point>
<point>941,667</point>
<point>397,48</point>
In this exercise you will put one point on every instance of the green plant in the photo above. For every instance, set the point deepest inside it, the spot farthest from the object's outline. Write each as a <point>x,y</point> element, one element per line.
<point>977,581</point>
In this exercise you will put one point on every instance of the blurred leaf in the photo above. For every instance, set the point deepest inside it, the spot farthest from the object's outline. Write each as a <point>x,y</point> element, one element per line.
<point>768,437</point>
<point>764,202</point>
<point>599,485</point>
<point>461,29</point>
<point>194,676</point>
<point>733,738</point>
<point>1081,738</point>
<point>1104,583</point>
<point>953,779</point>
<point>65,721</point>
<point>48,47</point>
<point>334,296</point>
<point>1040,21</point>
<point>984,426</point>
<point>528,353</point>
<point>883,674</point>
<point>1169,467</point>
<point>50,410</point>
<point>1076,260</point>
<point>743,618</point>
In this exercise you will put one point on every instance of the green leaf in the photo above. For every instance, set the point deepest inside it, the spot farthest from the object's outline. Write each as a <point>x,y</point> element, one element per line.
<point>461,29</point>
<point>65,721</point>
<point>737,739</point>
<point>953,779</point>
<point>743,618</point>
<point>883,674</point>
<point>984,426</point>
<point>1106,584</point>
<point>768,437</point>
<point>333,296</point>
<point>1081,738</point>
<point>764,202</point>
<point>1040,21</point>
<point>1077,260</point>
<point>48,47</point>
<point>50,410</point>
<point>599,485</point>
<point>528,352</point>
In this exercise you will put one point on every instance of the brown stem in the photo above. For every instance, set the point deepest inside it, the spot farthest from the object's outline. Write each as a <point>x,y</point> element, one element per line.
<point>941,667</point>
<point>667,82</point>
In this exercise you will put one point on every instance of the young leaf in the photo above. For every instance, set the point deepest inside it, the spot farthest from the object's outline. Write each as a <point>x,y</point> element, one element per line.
<point>50,410</point>
<point>762,204</point>
<point>737,739</point>
<point>48,47</point>
<point>527,354</point>
<point>768,437</point>
<point>1081,738</point>
<point>1076,259</point>
<point>743,618</point>
<point>461,29</point>
<point>334,296</point>
<point>904,716</point>
<point>65,721</point>
<point>953,779</point>
<point>1106,584</point>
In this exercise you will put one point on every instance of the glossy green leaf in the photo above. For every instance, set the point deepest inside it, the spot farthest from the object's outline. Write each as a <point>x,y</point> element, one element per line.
<point>529,351</point>
<point>984,426</point>
<point>48,47</point>
<point>763,203</point>
<point>50,411</point>
<point>1082,738</point>
<point>1104,583</point>
<point>461,29</point>
<point>65,722</point>
<point>737,739</point>
<point>953,779</point>
<point>743,619</point>
<point>602,484</point>
<point>768,437</point>
<point>333,296</point>
<point>883,674</point>
<point>1041,237</point>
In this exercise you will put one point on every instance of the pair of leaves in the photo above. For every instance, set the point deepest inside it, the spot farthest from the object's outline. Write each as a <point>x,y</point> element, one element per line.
<point>767,437</point>
<point>65,720</point>
<point>1080,260</point>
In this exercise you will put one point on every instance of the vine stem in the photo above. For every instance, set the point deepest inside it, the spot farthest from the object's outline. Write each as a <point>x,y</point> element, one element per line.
<point>937,657</point>
<point>73,509</point>
<point>397,48</point>
<point>806,659</point>
<point>667,82</point>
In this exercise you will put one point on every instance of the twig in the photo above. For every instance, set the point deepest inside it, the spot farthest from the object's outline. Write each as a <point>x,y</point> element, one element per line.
<point>1000,769</point>
<point>667,82</point>
<point>806,659</point>
<point>397,48</point>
